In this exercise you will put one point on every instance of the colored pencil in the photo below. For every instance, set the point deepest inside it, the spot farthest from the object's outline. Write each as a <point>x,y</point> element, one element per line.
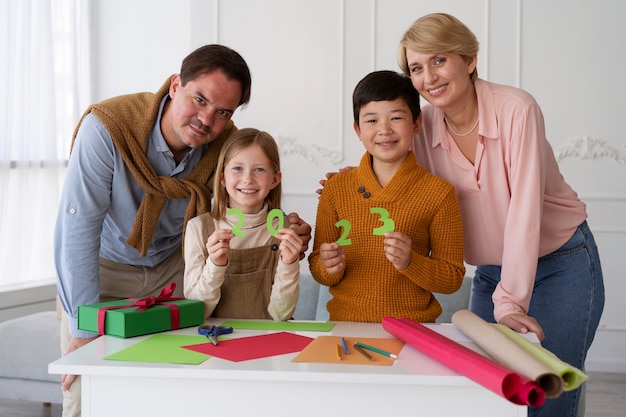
<point>373,349</point>
<point>364,353</point>
<point>345,347</point>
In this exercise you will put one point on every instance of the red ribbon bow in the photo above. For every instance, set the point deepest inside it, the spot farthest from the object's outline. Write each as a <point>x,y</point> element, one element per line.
<point>144,304</point>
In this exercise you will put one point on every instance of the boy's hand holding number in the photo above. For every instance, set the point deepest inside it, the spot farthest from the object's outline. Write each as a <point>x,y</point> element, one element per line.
<point>398,249</point>
<point>333,257</point>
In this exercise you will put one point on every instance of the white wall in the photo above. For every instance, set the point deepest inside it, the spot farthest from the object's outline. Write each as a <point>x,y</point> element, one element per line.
<point>307,55</point>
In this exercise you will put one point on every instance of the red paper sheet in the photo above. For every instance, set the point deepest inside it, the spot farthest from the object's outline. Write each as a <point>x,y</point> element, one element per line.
<point>480,369</point>
<point>254,347</point>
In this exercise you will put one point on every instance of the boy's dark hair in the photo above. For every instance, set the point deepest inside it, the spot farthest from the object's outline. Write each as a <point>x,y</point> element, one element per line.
<point>209,58</point>
<point>385,86</point>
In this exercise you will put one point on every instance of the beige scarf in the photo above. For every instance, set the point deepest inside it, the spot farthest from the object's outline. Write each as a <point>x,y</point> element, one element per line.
<point>129,119</point>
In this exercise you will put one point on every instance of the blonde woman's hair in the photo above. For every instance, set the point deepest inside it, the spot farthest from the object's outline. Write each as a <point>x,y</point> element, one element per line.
<point>238,141</point>
<point>438,33</point>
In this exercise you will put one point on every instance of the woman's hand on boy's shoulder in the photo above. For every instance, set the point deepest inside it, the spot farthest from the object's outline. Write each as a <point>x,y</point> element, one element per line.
<point>332,174</point>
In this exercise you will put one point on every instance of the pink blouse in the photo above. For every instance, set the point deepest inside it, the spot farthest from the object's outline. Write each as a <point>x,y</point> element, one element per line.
<point>515,204</point>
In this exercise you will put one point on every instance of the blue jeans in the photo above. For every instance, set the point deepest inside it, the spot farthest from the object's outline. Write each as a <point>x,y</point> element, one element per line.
<point>567,301</point>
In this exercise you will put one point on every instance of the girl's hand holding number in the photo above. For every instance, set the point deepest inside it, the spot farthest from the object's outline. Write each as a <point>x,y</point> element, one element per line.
<point>218,245</point>
<point>290,245</point>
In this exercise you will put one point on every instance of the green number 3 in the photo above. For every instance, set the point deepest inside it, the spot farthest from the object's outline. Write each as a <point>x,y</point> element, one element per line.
<point>388,224</point>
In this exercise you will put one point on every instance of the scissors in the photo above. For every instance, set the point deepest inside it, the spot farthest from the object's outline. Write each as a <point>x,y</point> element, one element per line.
<point>212,331</point>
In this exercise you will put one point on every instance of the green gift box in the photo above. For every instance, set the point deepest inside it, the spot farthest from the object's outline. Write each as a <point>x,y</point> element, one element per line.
<point>130,317</point>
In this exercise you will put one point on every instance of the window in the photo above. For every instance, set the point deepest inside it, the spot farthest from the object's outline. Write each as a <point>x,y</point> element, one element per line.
<point>45,85</point>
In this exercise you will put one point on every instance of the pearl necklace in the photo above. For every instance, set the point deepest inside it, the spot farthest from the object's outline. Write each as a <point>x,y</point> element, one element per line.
<point>457,133</point>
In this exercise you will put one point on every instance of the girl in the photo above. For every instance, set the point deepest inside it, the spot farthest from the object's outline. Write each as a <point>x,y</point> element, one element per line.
<point>232,263</point>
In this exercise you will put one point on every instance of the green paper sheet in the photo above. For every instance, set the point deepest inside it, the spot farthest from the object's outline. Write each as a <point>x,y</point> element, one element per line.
<point>572,376</point>
<point>163,348</point>
<point>289,326</point>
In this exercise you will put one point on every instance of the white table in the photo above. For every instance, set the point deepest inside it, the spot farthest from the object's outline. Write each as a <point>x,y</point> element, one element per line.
<point>414,386</point>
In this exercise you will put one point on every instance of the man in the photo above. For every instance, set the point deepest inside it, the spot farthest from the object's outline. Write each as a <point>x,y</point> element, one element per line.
<point>141,166</point>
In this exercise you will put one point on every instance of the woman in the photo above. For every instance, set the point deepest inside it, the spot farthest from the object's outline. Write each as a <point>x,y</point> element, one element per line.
<point>538,267</point>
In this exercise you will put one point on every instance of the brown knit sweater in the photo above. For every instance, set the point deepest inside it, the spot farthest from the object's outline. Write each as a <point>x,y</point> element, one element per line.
<point>423,207</point>
<point>129,119</point>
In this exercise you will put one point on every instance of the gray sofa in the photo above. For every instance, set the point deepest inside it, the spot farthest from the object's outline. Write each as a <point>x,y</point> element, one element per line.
<point>28,344</point>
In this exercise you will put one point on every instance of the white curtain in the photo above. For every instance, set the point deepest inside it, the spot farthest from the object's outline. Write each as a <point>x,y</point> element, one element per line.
<point>45,82</point>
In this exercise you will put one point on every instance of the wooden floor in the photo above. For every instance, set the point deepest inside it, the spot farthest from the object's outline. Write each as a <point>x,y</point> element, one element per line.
<point>606,397</point>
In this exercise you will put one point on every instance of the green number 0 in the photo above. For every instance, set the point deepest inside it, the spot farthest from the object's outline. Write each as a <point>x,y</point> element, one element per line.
<point>275,214</point>
<point>343,239</point>
<point>235,231</point>
<point>388,224</point>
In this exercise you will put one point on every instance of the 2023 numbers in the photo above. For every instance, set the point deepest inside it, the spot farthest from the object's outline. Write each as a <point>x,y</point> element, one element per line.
<point>388,225</point>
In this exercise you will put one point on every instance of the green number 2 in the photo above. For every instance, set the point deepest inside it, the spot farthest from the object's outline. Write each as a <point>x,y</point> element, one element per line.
<point>235,231</point>
<point>343,239</point>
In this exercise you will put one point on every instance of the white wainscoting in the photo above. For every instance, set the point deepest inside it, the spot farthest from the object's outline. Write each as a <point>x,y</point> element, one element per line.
<point>21,300</point>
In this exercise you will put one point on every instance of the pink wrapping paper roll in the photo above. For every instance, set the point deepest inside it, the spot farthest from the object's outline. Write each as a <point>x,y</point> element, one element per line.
<point>514,387</point>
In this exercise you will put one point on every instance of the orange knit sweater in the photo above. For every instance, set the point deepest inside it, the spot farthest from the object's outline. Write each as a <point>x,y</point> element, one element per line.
<point>423,207</point>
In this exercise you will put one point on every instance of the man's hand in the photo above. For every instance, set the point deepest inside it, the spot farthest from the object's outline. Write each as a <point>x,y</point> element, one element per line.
<point>523,323</point>
<point>75,343</point>
<point>303,229</point>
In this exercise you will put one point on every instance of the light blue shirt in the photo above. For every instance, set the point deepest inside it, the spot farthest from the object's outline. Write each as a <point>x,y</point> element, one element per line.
<point>99,201</point>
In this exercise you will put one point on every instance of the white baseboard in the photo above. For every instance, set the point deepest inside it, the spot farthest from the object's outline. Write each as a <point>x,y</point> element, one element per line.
<point>608,351</point>
<point>599,365</point>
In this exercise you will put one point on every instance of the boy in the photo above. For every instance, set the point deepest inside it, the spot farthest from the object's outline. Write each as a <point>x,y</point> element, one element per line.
<point>388,234</point>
